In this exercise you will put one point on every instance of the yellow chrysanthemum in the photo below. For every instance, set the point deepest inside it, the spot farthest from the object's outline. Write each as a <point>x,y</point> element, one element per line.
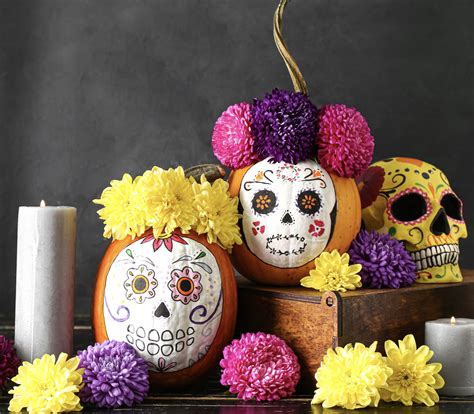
<point>217,213</point>
<point>124,208</point>
<point>350,377</point>
<point>413,379</point>
<point>333,273</point>
<point>47,385</point>
<point>168,196</point>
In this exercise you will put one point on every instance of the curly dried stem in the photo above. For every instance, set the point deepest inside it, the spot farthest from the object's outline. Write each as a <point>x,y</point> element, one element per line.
<point>299,84</point>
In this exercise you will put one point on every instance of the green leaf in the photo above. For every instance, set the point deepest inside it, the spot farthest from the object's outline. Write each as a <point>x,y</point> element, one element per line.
<point>200,255</point>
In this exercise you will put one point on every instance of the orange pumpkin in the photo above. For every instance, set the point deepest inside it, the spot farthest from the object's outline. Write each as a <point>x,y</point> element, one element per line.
<point>174,300</point>
<point>291,213</point>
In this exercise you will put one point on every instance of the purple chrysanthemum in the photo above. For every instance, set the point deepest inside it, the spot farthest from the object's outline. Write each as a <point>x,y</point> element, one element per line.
<point>384,260</point>
<point>9,361</point>
<point>260,366</point>
<point>284,126</point>
<point>114,375</point>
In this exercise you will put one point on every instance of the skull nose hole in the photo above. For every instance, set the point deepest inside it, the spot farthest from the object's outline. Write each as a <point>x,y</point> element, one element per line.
<point>162,311</point>
<point>440,223</point>
<point>287,218</point>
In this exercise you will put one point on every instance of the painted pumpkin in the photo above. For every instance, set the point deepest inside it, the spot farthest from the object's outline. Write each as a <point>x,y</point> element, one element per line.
<point>174,300</point>
<point>291,213</point>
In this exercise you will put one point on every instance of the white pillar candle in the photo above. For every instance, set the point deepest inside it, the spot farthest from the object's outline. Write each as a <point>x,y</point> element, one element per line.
<point>452,341</point>
<point>44,312</point>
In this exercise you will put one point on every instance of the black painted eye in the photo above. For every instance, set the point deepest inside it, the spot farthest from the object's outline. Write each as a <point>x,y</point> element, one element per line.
<point>264,201</point>
<point>309,202</point>
<point>452,205</point>
<point>409,207</point>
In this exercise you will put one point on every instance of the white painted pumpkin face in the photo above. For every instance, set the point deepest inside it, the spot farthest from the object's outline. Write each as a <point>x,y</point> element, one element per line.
<point>287,211</point>
<point>164,298</point>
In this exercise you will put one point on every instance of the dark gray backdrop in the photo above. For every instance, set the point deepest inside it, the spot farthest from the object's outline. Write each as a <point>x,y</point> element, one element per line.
<point>92,89</point>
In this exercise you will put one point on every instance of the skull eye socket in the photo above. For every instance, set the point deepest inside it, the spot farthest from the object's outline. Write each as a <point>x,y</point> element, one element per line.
<point>409,207</point>
<point>264,201</point>
<point>309,202</point>
<point>140,284</point>
<point>452,205</point>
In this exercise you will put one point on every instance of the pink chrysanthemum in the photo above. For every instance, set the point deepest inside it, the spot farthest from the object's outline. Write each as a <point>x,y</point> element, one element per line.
<point>232,138</point>
<point>260,366</point>
<point>345,142</point>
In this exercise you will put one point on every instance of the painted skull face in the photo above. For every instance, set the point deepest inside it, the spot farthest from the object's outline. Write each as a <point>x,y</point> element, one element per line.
<point>287,211</point>
<point>164,297</point>
<point>414,202</point>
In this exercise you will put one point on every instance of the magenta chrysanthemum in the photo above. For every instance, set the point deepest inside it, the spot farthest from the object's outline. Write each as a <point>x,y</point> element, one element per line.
<point>232,138</point>
<point>260,366</point>
<point>284,126</point>
<point>385,261</point>
<point>9,361</point>
<point>114,375</point>
<point>345,142</point>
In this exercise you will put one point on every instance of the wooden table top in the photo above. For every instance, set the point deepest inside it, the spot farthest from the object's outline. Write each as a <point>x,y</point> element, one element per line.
<point>211,397</point>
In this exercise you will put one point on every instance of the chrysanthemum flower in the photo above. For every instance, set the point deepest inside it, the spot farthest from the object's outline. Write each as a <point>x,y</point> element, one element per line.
<point>333,273</point>
<point>47,385</point>
<point>260,366</point>
<point>168,201</point>
<point>114,375</point>
<point>9,361</point>
<point>385,261</point>
<point>217,213</point>
<point>413,379</point>
<point>124,208</point>
<point>232,138</point>
<point>350,377</point>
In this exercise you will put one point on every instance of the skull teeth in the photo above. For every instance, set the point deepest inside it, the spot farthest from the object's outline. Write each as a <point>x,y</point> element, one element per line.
<point>164,342</point>
<point>436,256</point>
<point>272,242</point>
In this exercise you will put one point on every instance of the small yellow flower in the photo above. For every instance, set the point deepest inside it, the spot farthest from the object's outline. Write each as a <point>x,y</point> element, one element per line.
<point>350,377</point>
<point>47,385</point>
<point>168,205</point>
<point>217,212</point>
<point>124,208</point>
<point>333,273</point>
<point>413,379</point>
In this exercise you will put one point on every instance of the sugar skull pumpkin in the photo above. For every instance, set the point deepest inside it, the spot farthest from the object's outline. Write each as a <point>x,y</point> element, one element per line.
<point>173,298</point>
<point>291,213</point>
<point>413,201</point>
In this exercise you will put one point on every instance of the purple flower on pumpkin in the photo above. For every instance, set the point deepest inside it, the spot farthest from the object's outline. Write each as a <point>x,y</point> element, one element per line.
<point>385,261</point>
<point>166,241</point>
<point>9,361</point>
<point>260,366</point>
<point>284,126</point>
<point>114,375</point>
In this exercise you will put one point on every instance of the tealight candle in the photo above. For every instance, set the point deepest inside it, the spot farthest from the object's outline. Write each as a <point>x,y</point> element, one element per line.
<point>44,314</point>
<point>452,341</point>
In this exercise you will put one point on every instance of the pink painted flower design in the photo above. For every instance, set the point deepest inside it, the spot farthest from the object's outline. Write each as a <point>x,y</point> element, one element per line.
<point>316,228</point>
<point>185,285</point>
<point>167,242</point>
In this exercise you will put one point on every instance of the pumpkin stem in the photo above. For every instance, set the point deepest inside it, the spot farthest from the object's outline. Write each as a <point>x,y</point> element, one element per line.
<point>299,84</point>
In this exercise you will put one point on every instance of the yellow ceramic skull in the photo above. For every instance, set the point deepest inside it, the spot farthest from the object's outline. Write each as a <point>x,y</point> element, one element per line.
<point>414,202</point>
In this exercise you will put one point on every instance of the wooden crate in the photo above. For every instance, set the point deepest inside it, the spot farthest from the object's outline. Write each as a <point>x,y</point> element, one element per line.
<point>312,322</point>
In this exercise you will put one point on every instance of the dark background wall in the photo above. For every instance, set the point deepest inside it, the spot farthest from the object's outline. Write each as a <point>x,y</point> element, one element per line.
<point>92,89</point>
